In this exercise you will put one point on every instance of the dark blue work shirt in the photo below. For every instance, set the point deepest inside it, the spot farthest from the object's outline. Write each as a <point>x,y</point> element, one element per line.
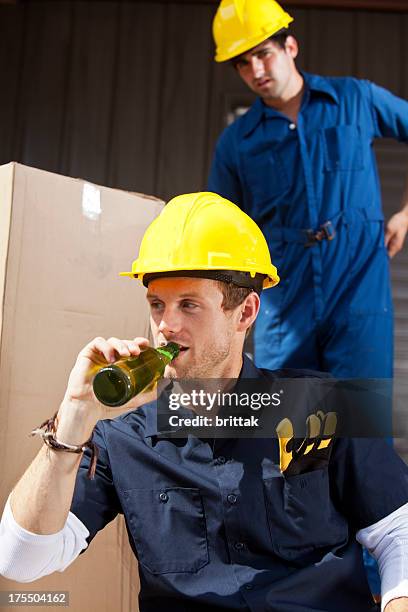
<point>216,526</point>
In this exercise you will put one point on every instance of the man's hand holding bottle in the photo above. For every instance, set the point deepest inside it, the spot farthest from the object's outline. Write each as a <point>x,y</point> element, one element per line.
<point>80,410</point>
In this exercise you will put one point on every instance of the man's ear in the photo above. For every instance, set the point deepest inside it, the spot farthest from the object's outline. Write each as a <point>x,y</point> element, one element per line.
<point>248,311</point>
<point>292,47</point>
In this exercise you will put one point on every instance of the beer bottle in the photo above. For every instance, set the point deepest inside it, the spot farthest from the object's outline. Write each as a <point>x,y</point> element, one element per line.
<point>116,384</point>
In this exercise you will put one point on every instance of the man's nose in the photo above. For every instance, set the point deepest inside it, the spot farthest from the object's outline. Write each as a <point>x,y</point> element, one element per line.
<point>170,323</point>
<point>258,68</point>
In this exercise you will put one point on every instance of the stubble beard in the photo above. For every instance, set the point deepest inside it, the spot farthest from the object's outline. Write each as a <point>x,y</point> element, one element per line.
<point>206,365</point>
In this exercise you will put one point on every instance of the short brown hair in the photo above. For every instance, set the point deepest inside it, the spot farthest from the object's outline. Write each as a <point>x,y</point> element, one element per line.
<point>233,295</point>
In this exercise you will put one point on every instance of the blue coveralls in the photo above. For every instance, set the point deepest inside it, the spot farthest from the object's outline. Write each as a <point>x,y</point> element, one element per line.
<point>216,527</point>
<point>332,310</point>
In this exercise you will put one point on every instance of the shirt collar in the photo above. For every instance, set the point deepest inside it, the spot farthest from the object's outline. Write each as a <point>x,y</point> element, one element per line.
<point>248,370</point>
<point>320,85</point>
<point>150,412</point>
<point>259,110</point>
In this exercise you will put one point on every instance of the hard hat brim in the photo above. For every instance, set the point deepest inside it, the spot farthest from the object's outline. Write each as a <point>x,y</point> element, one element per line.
<point>270,279</point>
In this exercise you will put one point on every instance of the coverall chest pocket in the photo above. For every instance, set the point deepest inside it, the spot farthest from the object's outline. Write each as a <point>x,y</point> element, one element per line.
<point>343,148</point>
<point>168,528</point>
<point>301,516</point>
<point>264,175</point>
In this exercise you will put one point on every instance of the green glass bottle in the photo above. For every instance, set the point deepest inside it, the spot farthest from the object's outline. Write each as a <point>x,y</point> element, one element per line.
<point>116,384</point>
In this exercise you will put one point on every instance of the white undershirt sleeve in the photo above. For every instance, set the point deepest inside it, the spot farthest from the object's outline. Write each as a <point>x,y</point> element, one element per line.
<point>387,541</point>
<point>26,556</point>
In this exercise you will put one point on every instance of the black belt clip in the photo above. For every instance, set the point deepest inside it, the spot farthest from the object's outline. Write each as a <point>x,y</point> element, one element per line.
<point>325,232</point>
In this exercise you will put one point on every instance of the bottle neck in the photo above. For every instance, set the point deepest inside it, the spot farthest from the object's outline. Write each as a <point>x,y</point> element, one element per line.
<point>170,351</point>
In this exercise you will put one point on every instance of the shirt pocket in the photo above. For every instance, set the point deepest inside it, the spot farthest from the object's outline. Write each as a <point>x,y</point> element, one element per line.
<point>343,148</point>
<point>264,176</point>
<point>301,516</point>
<point>168,528</point>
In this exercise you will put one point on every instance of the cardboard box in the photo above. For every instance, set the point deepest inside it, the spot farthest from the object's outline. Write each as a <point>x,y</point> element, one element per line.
<point>63,242</point>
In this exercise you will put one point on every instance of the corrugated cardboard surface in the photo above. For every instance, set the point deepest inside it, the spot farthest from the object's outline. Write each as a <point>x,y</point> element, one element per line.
<point>62,244</point>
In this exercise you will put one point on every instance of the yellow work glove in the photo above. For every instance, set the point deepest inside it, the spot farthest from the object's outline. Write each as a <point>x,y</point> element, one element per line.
<point>300,455</point>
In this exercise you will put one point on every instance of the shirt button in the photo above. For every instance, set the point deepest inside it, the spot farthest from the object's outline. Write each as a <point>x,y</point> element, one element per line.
<point>220,460</point>
<point>232,498</point>
<point>292,126</point>
<point>164,497</point>
<point>239,546</point>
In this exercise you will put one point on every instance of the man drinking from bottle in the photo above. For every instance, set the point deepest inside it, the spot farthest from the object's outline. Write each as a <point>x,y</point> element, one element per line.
<point>256,525</point>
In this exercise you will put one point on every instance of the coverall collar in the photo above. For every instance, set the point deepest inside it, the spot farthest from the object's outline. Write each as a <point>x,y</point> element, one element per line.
<point>259,110</point>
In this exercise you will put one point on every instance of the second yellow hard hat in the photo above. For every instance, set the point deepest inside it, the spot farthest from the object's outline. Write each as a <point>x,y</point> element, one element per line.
<point>240,25</point>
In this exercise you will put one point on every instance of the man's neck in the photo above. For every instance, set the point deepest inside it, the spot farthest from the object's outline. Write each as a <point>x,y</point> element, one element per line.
<point>231,370</point>
<point>290,104</point>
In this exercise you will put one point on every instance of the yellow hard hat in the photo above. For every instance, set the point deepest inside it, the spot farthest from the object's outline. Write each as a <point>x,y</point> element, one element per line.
<point>240,25</point>
<point>205,235</point>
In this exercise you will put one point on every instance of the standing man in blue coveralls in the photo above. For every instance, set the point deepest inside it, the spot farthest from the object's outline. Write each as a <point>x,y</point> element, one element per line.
<point>224,524</point>
<point>300,163</point>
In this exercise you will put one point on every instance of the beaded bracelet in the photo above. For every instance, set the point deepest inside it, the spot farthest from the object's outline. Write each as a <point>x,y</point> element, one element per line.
<point>47,431</point>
